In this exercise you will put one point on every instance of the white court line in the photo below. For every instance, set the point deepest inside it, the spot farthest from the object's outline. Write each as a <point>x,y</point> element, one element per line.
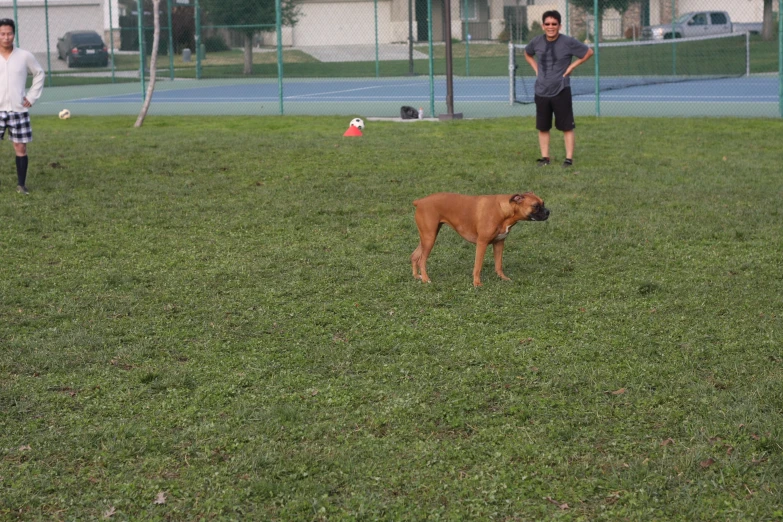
<point>592,100</point>
<point>685,98</point>
<point>472,99</point>
<point>342,91</point>
<point>492,99</point>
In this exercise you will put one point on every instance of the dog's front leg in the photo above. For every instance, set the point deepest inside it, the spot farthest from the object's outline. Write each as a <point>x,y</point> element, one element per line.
<point>497,251</point>
<point>481,249</point>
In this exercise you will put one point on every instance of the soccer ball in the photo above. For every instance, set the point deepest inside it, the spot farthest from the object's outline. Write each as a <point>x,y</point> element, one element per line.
<point>65,114</point>
<point>358,123</point>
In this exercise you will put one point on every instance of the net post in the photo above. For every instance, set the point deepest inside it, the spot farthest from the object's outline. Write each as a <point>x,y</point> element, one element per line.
<point>512,88</point>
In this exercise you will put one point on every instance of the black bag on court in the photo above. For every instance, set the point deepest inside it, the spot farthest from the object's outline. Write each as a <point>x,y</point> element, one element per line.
<point>409,113</point>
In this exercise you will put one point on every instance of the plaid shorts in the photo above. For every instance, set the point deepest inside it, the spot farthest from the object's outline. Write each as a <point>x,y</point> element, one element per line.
<point>18,125</point>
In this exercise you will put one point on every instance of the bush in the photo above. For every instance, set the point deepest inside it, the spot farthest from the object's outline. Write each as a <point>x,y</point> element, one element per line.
<point>634,32</point>
<point>214,44</point>
<point>535,30</point>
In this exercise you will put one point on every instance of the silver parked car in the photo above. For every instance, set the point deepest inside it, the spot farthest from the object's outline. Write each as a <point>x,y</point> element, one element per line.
<point>701,23</point>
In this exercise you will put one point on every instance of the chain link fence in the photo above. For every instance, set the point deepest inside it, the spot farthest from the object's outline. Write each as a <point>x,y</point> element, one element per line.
<point>369,57</point>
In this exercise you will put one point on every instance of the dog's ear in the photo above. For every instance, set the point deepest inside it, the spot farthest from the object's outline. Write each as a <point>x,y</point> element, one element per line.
<point>517,198</point>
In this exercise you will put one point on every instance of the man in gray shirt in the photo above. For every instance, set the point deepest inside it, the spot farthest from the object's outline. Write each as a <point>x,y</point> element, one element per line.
<point>553,69</point>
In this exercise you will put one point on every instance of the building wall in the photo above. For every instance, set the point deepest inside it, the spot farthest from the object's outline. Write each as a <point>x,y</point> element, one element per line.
<point>111,22</point>
<point>342,23</point>
<point>739,10</point>
<point>63,17</point>
<point>614,26</point>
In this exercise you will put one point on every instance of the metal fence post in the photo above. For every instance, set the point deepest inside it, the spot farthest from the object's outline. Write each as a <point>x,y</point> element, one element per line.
<point>596,37</point>
<point>16,21</point>
<point>111,40</point>
<point>410,37</point>
<point>48,48</point>
<point>279,28</point>
<point>377,56</point>
<point>432,65</point>
<point>466,37</point>
<point>140,24</point>
<point>197,40</point>
<point>171,41</point>
<point>674,41</point>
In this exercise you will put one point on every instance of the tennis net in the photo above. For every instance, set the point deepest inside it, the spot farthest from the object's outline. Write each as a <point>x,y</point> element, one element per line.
<point>630,64</point>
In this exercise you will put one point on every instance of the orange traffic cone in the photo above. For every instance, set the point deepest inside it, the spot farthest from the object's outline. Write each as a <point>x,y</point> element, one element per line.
<point>353,131</point>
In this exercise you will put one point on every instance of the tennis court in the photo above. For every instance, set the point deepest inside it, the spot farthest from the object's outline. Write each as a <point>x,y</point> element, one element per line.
<point>382,97</point>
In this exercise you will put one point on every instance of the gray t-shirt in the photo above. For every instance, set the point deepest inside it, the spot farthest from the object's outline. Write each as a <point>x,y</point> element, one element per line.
<point>553,60</point>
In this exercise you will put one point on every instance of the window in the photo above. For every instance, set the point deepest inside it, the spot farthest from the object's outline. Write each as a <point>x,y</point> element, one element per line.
<point>719,18</point>
<point>699,19</point>
<point>86,39</point>
<point>469,9</point>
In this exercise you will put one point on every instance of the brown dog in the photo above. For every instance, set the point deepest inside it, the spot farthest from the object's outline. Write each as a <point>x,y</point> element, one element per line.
<point>479,219</point>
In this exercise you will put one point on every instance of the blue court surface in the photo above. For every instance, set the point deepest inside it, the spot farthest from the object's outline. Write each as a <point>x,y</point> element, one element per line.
<point>475,97</point>
<point>745,90</point>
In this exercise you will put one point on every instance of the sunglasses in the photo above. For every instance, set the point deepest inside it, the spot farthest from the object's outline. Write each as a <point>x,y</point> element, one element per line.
<point>554,24</point>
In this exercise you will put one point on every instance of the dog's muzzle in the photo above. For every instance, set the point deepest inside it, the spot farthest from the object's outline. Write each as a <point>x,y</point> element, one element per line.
<point>541,215</point>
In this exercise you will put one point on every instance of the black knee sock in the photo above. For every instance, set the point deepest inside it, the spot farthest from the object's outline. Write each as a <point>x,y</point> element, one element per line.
<point>21,169</point>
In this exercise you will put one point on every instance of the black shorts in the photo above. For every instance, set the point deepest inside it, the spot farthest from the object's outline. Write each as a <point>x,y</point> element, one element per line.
<point>560,105</point>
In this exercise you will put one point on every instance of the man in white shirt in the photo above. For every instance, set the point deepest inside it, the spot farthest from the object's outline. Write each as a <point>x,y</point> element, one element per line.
<point>15,64</point>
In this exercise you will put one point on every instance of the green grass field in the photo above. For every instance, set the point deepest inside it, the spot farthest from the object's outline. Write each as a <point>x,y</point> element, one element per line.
<point>215,318</point>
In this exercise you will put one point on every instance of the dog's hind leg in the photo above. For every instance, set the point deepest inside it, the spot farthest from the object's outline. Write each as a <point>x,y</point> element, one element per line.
<point>419,262</point>
<point>422,252</point>
<point>415,256</point>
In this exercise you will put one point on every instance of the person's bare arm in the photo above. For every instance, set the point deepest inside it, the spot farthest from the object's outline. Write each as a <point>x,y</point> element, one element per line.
<point>532,61</point>
<point>579,62</point>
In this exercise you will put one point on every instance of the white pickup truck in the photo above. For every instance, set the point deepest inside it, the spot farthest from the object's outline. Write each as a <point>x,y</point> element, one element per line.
<point>699,23</point>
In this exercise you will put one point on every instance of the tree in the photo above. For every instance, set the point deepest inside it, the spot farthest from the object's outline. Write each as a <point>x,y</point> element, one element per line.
<point>588,5</point>
<point>153,63</point>
<point>768,27</point>
<point>249,14</point>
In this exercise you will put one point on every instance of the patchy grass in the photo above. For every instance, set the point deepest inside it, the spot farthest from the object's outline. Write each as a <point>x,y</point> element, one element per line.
<point>215,318</point>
